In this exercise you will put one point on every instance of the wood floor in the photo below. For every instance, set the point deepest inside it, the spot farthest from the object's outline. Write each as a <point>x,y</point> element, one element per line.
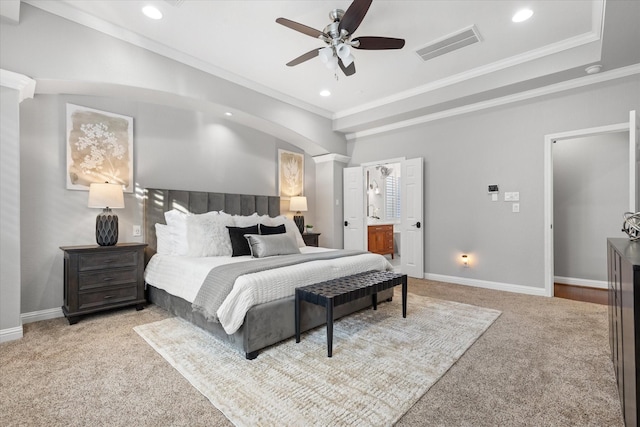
<point>581,293</point>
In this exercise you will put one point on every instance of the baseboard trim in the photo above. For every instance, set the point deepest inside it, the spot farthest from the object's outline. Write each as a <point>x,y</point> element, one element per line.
<point>36,316</point>
<point>10,334</point>
<point>598,284</point>
<point>497,286</point>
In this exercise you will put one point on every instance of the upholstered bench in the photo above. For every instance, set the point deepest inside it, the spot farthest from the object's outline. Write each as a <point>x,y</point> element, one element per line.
<point>342,290</point>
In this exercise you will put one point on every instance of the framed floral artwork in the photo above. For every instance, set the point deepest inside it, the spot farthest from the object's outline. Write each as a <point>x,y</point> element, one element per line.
<point>290,174</point>
<point>99,148</point>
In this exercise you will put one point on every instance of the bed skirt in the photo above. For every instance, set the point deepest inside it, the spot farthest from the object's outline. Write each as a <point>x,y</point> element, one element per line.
<point>264,324</point>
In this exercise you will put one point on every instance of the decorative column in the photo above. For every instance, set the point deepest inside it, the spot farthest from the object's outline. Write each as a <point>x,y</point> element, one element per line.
<point>329,208</point>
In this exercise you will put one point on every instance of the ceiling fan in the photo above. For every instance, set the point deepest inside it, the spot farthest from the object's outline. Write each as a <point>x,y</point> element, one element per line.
<point>337,36</point>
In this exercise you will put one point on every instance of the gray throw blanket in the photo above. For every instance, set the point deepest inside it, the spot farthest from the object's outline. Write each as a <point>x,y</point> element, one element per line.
<point>219,282</point>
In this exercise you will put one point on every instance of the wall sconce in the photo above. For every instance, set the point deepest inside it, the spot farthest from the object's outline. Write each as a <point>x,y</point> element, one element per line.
<point>374,188</point>
<point>465,260</point>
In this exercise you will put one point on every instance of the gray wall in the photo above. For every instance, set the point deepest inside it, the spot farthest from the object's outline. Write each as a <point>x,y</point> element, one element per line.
<point>174,148</point>
<point>9,210</point>
<point>504,146</point>
<point>590,194</point>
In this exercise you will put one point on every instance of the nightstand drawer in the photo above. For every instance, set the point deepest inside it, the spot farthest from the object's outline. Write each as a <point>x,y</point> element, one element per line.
<point>105,297</point>
<point>114,277</point>
<point>100,260</point>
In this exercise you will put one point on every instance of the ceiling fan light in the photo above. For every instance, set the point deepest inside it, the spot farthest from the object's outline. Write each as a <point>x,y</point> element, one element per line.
<point>325,54</point>
<point>347,60</point>
<point>343,51</point>
<point>332,63</point>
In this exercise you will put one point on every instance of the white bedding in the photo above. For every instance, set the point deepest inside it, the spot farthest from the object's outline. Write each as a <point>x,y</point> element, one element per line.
<point>182,276</point>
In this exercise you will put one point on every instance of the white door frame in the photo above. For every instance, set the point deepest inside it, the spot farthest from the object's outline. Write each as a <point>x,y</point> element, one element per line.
<point>548,189</point>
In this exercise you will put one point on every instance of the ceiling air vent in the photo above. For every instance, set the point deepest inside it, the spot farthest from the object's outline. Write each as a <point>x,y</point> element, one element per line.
<point>455,41</point>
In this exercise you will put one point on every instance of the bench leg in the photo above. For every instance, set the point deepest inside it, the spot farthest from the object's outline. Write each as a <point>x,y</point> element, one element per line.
<point>329,328</point>
<point>404,296</point>
<point>374,301</point>
<point>297,311</point>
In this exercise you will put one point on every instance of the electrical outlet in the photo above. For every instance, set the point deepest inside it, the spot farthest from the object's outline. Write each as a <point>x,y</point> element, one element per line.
<point>136,231</point>
<point>515,207</point>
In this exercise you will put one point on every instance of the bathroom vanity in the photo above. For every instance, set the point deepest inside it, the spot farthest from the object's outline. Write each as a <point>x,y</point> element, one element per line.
<point>380,238</point>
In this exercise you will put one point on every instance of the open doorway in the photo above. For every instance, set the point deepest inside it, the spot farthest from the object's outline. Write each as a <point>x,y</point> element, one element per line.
<point>629,129</point>
<point>367,203</point>
<point>383,200</point>
<point>590,193</point>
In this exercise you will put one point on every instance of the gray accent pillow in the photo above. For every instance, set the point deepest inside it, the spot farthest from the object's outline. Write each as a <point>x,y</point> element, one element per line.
<point>271,245</point>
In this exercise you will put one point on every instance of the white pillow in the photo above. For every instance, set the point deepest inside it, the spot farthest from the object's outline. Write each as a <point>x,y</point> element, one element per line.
<point>207,235</point>
<point>177,222</point>
<point>246,221</point>
<point>164,240</point>
<point>271,245</point>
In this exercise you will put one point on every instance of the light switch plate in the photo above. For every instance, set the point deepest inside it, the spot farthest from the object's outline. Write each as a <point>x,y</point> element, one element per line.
<point>511,196</point>
<point>515,207</point>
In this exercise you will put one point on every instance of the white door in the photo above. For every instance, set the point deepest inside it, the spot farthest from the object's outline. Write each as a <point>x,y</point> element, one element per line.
<point>354,208</point>
<point>412,222</point>
<point>634,158</point>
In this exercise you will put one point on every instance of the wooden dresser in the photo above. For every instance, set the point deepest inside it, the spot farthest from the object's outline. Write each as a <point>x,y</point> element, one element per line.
<point>380,239</point>
<point>624,322</point>
<point>98,278</point>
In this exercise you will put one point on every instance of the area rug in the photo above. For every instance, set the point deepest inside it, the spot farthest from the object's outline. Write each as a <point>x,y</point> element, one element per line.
<point>381,365</point>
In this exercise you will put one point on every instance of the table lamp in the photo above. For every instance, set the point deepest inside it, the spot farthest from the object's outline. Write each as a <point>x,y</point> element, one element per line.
<point>106,196</point>
<point>298,204</point>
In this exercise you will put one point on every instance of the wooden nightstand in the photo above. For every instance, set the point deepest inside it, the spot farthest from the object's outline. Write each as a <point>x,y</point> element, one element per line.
<point>310,239</point>
<point>98,278</point>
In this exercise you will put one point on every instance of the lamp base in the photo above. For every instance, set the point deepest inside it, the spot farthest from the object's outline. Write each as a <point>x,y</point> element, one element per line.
<point>107,228</point>
<point>299,220</point>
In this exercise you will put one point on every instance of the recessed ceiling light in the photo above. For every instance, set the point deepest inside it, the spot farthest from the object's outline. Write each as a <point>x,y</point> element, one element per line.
<point>325,93</point>
<point>522,15</point>
<point>228,114</point>
<point>152,12</point>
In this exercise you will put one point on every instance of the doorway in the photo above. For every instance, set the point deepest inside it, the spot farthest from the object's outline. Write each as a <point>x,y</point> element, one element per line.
<point>591,135</point>
<point>365,205</point>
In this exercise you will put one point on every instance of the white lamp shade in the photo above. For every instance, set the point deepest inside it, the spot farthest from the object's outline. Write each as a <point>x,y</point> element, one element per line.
<point>343,50</point>
<point>106,196</point>
<point>325,54</point>
<point>298,203</point>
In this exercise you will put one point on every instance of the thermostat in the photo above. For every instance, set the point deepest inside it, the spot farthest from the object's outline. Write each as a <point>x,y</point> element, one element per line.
<point>493,189</point>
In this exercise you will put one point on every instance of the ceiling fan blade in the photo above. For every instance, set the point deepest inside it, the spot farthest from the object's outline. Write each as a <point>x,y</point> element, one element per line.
<point>301,28</point>
<point>354,15</point>
<point>348,71</point>
<point>304,57</point>
<point>378,43</point>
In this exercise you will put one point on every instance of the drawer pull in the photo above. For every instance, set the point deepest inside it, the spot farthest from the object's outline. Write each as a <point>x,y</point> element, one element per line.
<point>108,296</point>
<point>108,261</point>
<point>107,279</point>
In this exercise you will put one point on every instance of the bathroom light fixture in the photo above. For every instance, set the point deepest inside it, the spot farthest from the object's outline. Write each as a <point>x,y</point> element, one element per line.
<point>152,12</point>
<point>522,15</point>
<point>465,260</point>
<point>325,93</point>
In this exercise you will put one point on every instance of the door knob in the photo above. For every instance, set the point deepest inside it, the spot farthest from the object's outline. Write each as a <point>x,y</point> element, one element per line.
<point>417,224</point>
<point>346,223</point>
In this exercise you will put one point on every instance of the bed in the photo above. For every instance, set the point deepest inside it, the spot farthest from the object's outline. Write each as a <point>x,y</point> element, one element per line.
<point>271,319</point>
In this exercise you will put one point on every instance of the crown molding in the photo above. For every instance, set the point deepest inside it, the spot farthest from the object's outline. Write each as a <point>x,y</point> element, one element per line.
<point>530,94</point>
<point>331,157</point>
<point>571,43</point>
<point>25,86</point>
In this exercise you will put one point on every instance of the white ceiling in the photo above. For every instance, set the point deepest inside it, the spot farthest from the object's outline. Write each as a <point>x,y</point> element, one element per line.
<point>240,41</point>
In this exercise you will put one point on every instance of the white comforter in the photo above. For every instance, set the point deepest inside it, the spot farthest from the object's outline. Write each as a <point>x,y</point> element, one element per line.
<point>183,276</point>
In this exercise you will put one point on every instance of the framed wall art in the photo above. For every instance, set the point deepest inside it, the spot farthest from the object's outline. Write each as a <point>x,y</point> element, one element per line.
<point>99,148</point>
<point>290,174</point>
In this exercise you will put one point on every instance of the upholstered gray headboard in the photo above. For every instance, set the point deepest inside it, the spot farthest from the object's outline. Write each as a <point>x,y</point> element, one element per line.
<point>157,202</point>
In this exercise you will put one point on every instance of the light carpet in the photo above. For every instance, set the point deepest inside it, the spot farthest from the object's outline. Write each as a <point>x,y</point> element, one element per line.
<point>381,365</point>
